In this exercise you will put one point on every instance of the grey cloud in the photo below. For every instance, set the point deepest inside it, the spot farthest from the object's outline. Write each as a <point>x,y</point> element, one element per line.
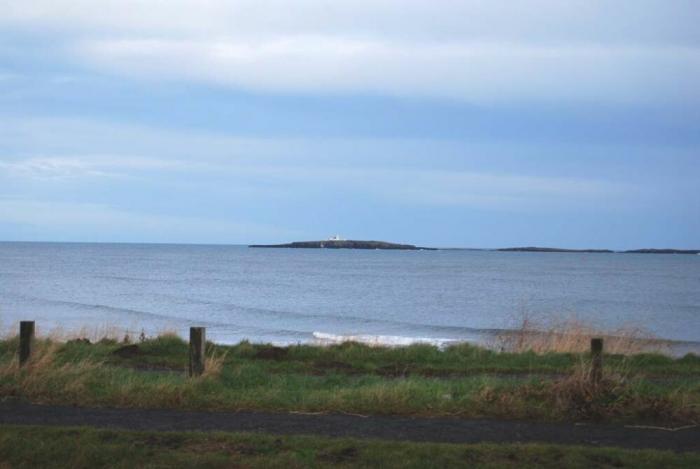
<point>479,51</point>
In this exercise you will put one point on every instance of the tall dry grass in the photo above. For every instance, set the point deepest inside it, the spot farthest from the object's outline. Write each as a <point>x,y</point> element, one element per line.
<point>571,335</point>
<point>618,395</point>
<point>41,376</point>
<point>214,364</point>
<point>93,333</point>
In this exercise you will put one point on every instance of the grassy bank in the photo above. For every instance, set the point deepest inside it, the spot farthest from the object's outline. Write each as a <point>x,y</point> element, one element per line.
<point>418,380</point>
<point>25,446</point>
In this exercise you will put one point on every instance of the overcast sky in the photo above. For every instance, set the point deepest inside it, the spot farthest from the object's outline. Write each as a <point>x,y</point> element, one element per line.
<point>445,123</point>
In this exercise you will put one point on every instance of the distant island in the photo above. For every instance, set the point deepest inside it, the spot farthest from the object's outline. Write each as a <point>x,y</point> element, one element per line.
<point>335,243</point>
<point>536,249</point>
<point>664,251</point>
<point>608,251</point>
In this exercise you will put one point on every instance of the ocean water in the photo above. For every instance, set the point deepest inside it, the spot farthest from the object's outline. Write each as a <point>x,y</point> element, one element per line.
<point>302,295</point>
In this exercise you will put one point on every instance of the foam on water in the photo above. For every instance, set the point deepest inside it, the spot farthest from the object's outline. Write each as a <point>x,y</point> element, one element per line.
<point>325,338</point>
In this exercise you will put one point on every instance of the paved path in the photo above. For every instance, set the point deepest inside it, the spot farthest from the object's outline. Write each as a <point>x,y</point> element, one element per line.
<point>447,430</point>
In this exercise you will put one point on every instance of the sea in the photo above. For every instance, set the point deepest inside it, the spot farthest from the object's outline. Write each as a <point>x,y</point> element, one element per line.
<point>287,296</point>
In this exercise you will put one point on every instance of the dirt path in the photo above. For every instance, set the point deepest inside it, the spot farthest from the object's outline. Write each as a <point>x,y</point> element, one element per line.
<point>448,430</point>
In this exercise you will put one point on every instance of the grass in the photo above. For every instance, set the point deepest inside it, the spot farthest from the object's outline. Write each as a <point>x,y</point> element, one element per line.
<point>27,446</point>
<point>571,335</point>
<point>417,380</point>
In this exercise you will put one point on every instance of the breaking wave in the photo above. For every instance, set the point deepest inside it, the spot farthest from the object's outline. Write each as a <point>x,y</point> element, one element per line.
<point>325,338</point>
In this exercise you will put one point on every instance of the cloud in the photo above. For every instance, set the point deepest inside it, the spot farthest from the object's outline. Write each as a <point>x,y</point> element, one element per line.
<point>51,168</point>
<point>268,170</point>
<point>473,50</point>
<point>108,221</point>
<point>410,186</point>
<point>72,137</point>
<point>460,188</point>
<point>180,185</point>
<point>90,166</point>
<point>544,21</point>
<point>471,71</point>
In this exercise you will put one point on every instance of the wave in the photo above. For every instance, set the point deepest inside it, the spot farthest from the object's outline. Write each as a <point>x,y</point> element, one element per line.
<point>674,348</point>
<point>299,333</point>
<point>99,307</point>
<point>325,338</point>
<point>355,329</point>
<point>223,330</point>
<point>350,320</point>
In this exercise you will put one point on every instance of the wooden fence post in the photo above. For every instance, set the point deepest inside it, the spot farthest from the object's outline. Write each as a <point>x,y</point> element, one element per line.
<point>596,360</point>
<point>197,344</point>
<point>26,341</point>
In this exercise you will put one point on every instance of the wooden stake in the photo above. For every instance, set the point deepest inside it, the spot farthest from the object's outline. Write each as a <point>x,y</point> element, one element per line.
<point>26,341</point>
<point>197,343</point>
<point>596,360</point>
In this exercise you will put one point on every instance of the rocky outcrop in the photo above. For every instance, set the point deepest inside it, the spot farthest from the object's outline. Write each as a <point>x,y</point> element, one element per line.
<point>664,251</point>
<point>536,249</point>
<point>342,244</point>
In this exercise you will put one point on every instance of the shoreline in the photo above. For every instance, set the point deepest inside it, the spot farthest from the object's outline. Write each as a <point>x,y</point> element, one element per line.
<point>508,340</point>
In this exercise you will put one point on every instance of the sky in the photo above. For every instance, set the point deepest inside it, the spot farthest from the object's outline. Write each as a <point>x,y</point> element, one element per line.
<point>441,123</point>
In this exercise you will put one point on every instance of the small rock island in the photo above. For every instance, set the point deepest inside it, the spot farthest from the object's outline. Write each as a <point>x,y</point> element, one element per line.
<point>605,251</point>
<point>664,251</point>
<point>539,249</point>
<point>338,243</point>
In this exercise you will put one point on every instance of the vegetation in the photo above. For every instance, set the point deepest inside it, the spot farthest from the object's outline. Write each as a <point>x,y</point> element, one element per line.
<point>418,380</point>
<point>570,335</point>
<point>26,446</point>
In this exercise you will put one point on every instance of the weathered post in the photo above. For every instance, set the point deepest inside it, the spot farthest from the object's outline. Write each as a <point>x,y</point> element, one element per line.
<point>26,341</point>
<point>197,343</point>
<point>596,360</point>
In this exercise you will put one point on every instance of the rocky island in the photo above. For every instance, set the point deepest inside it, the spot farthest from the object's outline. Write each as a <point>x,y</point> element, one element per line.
<point>663,251</point>
<point>634,251</point>
<point>539,249</point>
<point>343,244</point>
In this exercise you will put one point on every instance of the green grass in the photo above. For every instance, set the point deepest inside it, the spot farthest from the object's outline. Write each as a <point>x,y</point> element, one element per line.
<point>417,380</point>
<point>28,446</point>
<point>351,358</point>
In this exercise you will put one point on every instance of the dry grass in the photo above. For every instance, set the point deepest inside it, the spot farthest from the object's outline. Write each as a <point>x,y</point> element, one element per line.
<point>581,397</point>
<point>574,336</point>
<point>60,334</point>
<point>42,358</point>
<point>167,333</point>
<point>238,378</point>
<point>616,395</point>
<point>41,375</point>
<point>213,364</point>
<point>94,333</point>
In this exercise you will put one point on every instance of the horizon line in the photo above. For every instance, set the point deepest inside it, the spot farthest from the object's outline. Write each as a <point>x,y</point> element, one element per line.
<point>443,248</point>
